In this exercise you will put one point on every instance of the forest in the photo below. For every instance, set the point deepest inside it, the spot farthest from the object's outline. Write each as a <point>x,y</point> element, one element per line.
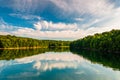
<point>8,41</point>
<point>106,41</point>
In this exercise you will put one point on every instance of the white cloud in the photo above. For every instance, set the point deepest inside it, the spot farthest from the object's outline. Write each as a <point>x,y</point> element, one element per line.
<point>23,5</point>
<point>3,24</point>
<point>47,34</point>
<point>67,34</point>
<point>96,7</point>
<point>50,26</point>
<point>25,16</point>
<point>4,27</point>
<point>29,6</point>
<point>50,30</point>
<point>63,34</point>
<point>105,23</point>
<point>38,26</point>
<point>4,33</point>
<point>114,19</point>
<point>79,19</point>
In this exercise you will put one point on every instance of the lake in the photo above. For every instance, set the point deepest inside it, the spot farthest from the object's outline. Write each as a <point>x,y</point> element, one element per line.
<point>59,64</point>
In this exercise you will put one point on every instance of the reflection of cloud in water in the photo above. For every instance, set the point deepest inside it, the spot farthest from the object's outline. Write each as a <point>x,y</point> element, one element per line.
<point>43,66</point>
<point>64,56</point>
<point>50,60</point>
<point>46,61</point>
<point>65,64</point>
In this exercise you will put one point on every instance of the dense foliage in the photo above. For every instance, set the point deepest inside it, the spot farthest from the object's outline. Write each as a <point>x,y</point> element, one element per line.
<point>17,42</point>
<point>106,59</point>
<point>107,41</point>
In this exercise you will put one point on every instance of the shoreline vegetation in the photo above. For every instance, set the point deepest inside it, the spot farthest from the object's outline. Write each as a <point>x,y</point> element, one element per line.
<point>22,48</point>
<point>104,42</point>
<point>30,48</point>
<point>13,42</point>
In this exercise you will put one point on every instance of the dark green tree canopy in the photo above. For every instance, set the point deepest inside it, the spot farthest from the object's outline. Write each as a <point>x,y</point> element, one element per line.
<point>107,41</point>
<point>9,41</point>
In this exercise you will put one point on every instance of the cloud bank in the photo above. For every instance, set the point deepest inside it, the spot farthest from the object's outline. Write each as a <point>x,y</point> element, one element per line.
<point>50,26</point>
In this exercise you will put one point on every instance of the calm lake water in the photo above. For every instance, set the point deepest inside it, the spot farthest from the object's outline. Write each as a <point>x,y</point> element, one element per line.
<point>55,65</point>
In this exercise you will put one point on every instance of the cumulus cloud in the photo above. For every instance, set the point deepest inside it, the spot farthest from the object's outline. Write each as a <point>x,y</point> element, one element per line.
<point>50,30</point>
<point>50,26</point>
<point>64,34</point>
<point>67,34</point>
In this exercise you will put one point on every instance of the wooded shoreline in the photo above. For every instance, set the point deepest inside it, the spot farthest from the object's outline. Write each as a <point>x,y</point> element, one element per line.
<point>13,42</point>
<point>22,48</point>
<point>105,42</point>
<point>31,48</point>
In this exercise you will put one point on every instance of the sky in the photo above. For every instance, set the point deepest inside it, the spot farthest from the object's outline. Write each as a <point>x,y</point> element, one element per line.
<point>58,19</point>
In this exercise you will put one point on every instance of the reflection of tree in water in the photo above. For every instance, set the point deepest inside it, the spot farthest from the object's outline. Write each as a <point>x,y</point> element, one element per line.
<point>106,59</point>
<point>19,53</point>
<point>59,49</point>
<point>1,45</point>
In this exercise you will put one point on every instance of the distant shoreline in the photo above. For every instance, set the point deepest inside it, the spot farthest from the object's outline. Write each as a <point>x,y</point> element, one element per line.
<point>23,48</point>
<point>30,47</point>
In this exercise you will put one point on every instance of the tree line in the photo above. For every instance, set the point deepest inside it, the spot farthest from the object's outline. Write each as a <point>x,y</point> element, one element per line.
<point>8,41</point>
<point>106,41</point>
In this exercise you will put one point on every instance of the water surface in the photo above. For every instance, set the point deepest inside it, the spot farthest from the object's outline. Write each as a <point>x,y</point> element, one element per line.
<point>53,65</point>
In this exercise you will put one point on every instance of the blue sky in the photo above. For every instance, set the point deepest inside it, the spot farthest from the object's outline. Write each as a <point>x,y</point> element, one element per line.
<point>58,19</point>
